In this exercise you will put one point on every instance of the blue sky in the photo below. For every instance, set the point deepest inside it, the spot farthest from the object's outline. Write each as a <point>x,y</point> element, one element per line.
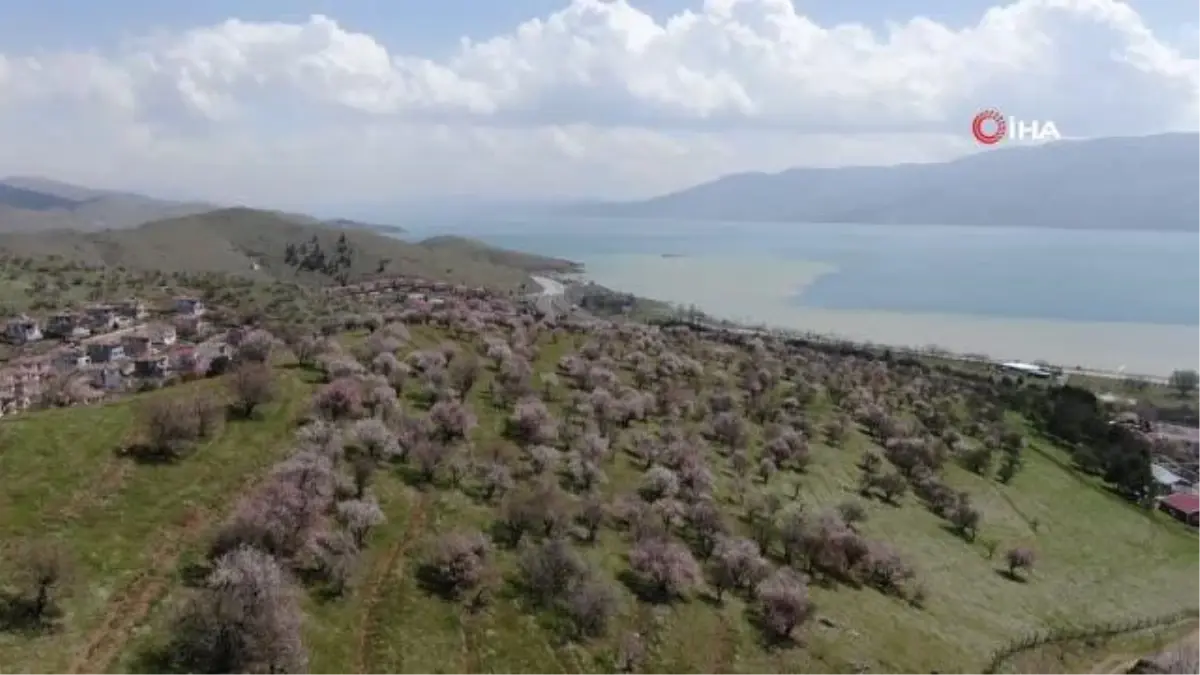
<point>378,100</point>
<point>433,27</point>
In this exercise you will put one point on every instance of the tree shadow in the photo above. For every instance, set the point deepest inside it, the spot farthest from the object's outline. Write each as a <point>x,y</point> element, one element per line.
<point>193,574</point>
<point>149,455</point>
<point>18,615</point>
<point>961,534</point>
<point>1010,575</point>
<point>645,592</point>
<point>429,581</point>
<point>767,637</point>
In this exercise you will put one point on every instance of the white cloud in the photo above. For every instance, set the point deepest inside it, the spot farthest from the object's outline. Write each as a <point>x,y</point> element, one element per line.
<point>597,98</point>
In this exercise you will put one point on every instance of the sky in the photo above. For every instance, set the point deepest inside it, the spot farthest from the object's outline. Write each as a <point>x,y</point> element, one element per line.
<point>320,104</point>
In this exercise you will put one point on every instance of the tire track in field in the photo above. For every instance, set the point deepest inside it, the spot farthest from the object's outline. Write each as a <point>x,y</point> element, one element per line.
<point>131,605</point>
<point>468,627</point>
<point>728,647</point>
<point>378,578</point>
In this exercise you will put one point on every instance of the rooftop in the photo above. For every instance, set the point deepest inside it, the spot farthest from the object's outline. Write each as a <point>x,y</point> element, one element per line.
<point>1026,367</point>
<point>1165,476</point>
<point>1183,501</point>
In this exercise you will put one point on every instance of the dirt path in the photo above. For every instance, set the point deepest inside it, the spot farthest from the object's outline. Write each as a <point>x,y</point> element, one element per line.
<point>469,652</point>
<point>1121,663</point>
<point>129,607</point>
<point>727,658</point>
<point>378,577</point>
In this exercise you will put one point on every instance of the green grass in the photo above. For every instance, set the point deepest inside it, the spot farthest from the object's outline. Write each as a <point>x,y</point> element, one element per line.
<point>1100,655</point>
<point>1099,560</point>
<point>124,524</point>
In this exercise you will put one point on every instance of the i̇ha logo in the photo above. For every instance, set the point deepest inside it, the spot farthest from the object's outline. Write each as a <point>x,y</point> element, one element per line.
<point>990,127</point>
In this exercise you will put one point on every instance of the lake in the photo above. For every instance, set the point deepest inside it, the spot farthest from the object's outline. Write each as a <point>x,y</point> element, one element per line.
<point>1103,299</point>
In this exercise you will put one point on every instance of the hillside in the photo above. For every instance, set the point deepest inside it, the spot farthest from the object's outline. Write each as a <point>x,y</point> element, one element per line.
<point>466,492</point>
<point>254,243</point>
<point>1146,183</point>
<point>34,204</point>
<point>30,204</point>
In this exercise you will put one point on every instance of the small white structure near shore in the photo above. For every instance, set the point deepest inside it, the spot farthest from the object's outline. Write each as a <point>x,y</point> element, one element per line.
<point>1022,368</point>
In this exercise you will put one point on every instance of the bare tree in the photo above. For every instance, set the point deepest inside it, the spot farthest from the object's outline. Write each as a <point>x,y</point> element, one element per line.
<point>43,570</point>
<point>251,385</point>
<point>172,426</point>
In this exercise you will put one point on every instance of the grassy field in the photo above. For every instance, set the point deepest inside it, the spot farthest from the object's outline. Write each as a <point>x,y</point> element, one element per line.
<point>125,525</point>
<point>135,528</point>
<point>1118,652</point>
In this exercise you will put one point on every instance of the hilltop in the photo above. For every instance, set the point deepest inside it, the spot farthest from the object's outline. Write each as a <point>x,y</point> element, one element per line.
<point>256,243</point>
<point>423,478</point>
<point>1146,183</point>
<point>35,204</point>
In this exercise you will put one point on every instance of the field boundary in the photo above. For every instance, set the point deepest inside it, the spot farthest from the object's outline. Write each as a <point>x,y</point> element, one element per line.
<point>1103,630</point>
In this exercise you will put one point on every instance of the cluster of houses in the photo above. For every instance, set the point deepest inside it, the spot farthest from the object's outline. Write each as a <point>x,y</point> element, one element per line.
<point>415,290</point>
<point>104,349</point>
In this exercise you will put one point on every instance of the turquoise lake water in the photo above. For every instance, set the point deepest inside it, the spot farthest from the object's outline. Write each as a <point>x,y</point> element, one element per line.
<point>1016,273</point>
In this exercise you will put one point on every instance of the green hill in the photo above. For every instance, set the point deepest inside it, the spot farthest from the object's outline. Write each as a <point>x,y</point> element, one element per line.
<point>633,460</point>
<point>255,243</point>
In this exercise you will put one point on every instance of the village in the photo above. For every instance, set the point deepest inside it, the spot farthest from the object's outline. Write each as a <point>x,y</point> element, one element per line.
<point>89,354</point>
<point>104,349</point>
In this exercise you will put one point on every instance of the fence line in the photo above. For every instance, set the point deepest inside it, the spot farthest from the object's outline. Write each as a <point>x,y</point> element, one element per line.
<point>1103,630</point>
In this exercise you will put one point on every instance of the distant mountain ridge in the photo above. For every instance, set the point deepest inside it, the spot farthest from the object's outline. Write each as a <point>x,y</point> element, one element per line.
<point>35,204</point>
<point>1141,183</point>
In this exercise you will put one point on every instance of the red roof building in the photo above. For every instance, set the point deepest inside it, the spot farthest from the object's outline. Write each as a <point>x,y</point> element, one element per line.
<point>1182,506</point>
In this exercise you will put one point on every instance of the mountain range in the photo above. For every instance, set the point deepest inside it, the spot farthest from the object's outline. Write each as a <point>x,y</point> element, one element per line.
<point>34,204</point>
<point>42,218</point>
<point>1133,183</point>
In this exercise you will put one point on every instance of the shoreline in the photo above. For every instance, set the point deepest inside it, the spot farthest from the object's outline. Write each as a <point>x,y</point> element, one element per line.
<point>758,299</point>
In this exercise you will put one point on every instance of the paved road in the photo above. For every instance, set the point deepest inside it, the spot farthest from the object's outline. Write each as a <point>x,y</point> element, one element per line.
<point>551,300</point>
